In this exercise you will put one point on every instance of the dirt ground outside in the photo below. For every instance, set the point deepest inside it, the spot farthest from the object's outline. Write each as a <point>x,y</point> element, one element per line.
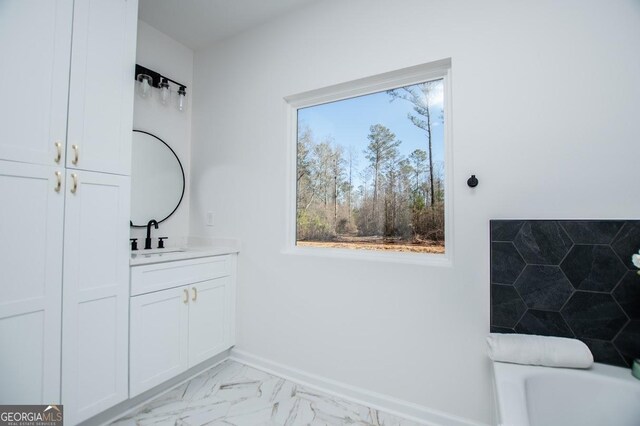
<point>378,243</point>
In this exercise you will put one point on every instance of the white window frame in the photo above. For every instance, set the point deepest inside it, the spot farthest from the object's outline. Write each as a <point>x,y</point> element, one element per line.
<point>368,85</point>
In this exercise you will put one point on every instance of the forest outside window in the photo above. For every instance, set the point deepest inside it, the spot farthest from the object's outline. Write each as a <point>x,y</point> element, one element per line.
<point>370,171</point>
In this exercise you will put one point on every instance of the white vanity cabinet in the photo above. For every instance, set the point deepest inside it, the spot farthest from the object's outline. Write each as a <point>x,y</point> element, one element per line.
<point>182,313</point>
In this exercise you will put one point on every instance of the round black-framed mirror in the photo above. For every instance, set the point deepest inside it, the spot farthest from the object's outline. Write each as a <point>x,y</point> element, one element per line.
<point>158,181</point>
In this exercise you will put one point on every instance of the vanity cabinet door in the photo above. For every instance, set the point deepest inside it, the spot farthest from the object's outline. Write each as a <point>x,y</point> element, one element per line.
<point>159,335</point>
<point>102,83</point>
<point>95,293</point>
<point>30,282</point>
<point>208,319</point>
<point>35,41</point>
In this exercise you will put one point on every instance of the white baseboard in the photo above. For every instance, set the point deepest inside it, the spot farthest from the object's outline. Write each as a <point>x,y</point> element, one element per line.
<point>398,407</point>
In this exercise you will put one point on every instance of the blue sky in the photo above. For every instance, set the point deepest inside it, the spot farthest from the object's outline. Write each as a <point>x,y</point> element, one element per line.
<point>347,122</point>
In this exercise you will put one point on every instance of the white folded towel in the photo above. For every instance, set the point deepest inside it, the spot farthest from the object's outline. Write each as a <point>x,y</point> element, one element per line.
<point>539,350</point>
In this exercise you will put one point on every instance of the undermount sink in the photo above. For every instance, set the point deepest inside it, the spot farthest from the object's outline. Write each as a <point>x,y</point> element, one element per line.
<point>158,251</point>
<point>169,254</point>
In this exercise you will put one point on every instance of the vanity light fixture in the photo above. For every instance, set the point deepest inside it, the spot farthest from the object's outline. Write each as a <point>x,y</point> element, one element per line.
<point>148,79</point>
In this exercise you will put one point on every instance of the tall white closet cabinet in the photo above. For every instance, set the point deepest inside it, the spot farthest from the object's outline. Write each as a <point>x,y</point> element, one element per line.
<point>65,150</point>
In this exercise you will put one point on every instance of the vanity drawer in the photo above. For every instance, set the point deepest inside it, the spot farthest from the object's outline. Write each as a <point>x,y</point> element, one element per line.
<point>160,276</point>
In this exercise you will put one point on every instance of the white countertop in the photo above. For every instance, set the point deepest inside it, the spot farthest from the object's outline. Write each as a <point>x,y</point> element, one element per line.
<point>169,254</point>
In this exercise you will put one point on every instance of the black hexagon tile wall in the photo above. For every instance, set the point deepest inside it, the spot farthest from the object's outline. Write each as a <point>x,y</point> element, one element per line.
<point>568,279</point>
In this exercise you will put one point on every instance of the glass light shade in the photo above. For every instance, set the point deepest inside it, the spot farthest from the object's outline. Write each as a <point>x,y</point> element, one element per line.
<point>144,85</point>
<point>182,101</point>
<point>165,93</point>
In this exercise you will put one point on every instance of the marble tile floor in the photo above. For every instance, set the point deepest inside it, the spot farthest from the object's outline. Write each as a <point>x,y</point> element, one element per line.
<point>234,394</point>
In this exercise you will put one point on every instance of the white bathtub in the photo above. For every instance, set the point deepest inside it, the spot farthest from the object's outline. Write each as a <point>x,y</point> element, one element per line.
<point>542,396</point>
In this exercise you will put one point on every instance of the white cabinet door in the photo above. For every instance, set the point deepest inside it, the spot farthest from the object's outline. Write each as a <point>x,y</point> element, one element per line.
<point>102,82</point>
<point>35,41</point>
<point>95,293</point>
<point>208,319</point>
<point>30,283</point>
<point>159,333</point>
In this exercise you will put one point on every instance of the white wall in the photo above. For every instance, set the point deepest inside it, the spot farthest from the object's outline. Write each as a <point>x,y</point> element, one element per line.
<point>546,96</point>
<point>163,54</point>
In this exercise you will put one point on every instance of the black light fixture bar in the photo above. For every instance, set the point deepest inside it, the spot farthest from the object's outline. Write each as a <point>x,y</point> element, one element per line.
<point>156,77</point>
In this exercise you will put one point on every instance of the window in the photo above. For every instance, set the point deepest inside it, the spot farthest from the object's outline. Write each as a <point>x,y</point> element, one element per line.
<point>371,161</point>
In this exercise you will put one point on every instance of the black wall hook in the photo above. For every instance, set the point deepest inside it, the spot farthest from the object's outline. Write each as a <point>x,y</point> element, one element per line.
<point>472,181</point>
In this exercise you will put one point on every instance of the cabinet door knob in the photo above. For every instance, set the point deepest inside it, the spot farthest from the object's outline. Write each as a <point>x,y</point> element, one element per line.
<point>74,186</point>
<point>58,156</point>
<point>76,154</point>
<point>185,298</point>
<point>58,181</point>
<point>195,293</point>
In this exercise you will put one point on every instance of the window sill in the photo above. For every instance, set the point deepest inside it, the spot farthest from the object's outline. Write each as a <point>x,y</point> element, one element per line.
<point>423,259</point>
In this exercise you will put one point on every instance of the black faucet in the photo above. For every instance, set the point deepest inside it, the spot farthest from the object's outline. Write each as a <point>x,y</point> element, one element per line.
<point>147,241</point>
